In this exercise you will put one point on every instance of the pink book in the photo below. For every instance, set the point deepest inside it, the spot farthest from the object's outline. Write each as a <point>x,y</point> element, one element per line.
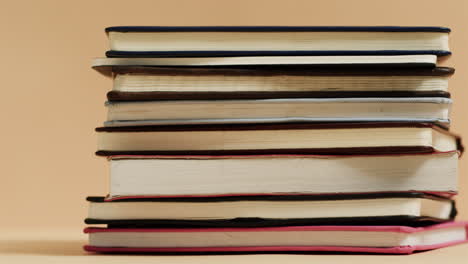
<point>366,239</point>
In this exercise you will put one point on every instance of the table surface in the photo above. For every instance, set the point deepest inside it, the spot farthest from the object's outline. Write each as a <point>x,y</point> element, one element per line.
<point>65,246</point>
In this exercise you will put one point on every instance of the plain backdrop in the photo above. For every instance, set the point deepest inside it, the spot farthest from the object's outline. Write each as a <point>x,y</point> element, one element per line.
<point>51,100</point>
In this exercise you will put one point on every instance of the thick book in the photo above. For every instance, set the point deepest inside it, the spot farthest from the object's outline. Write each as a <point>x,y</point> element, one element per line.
<point>280,138</point>
<point>107,65</point>
<point>174,176</point>
<point>191,83</point>
<point>371,239</point>
<point>385,109</point>
<point>415,209</point>
<point>271,40</point>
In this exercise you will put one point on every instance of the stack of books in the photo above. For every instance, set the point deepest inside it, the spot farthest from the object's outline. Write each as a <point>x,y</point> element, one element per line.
<point>277,139</point>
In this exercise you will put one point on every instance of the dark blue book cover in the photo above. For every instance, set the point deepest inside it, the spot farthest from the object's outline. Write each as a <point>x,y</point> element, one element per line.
<point>277,29</point>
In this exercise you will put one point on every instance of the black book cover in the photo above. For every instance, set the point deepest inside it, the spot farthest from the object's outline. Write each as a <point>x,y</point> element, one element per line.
<point>116,96</point>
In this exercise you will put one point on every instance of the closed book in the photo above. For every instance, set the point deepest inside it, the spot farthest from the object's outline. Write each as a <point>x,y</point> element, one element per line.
<point>268,40</point>
<point>410,208</point>
<point>248,175</point>
<point>191,83</point>
<point>279,138</point>
<point>364,62</point>
<point>370,239</point>
<point>384,109</point>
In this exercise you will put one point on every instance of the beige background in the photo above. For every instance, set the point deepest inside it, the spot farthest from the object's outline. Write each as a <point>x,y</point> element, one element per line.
<point>51,100</point>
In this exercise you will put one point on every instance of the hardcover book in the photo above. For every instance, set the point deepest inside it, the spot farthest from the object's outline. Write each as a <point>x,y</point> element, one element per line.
<point>280,138</point>
<point>415,209</point>
<point>222,41</point>
<point>191,83</point>
<point>371,239</point>
<point>247,175</point>
<point>385,109</point>
<point>106,65</point>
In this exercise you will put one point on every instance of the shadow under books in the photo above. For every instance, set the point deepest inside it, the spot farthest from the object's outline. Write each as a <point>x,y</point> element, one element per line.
<point>41,247</point>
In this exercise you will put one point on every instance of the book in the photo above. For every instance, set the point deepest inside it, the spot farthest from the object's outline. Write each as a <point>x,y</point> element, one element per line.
<point>280,138</point>
<point>208,41</point>
<point>372,239</point>
<point>133,83</point>
<point>172,176</point>
<point>107,65</point>
<point>281,210</point>
<point>415,109</point>
<point>266,139</point>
